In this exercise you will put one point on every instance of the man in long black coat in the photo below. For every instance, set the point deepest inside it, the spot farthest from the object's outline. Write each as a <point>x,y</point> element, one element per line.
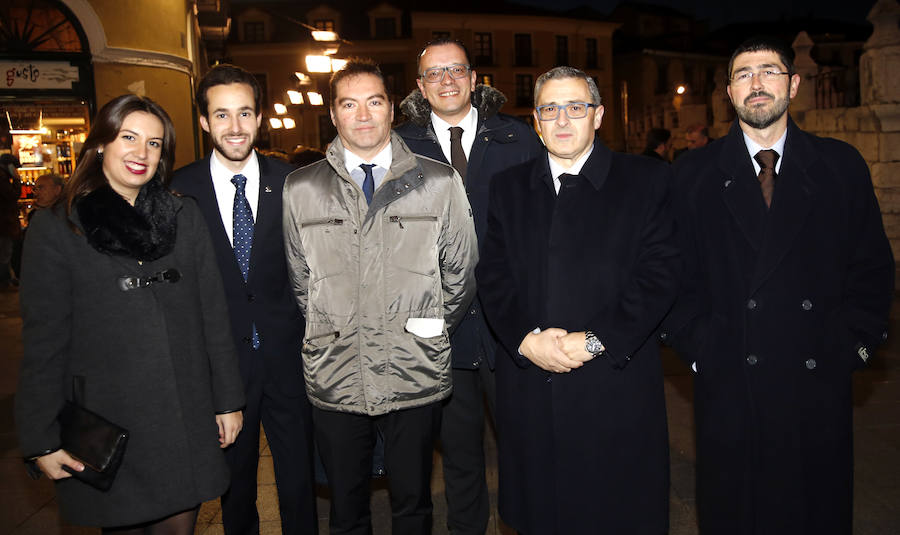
<point>579,266</point>
<point>787,291</point>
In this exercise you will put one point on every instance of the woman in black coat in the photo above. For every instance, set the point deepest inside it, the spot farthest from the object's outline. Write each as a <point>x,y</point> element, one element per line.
<point>155,357</point>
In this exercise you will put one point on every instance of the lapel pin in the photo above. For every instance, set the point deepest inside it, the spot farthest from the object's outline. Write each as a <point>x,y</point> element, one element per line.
<point>268,189</point>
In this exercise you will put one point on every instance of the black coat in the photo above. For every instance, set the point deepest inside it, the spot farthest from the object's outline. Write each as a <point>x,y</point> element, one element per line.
<point>778,308</point>
<point>502,141</point>
<point>265,299</point>
<point>586,451</point>
<point>156,360</point>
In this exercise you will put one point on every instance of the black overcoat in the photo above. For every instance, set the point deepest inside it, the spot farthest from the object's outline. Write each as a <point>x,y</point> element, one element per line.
<point>778,308</point>
<point>158,361</point>
<point>586,451</point>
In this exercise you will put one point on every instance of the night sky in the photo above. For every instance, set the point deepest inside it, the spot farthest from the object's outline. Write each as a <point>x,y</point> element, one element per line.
<point>722,12</point>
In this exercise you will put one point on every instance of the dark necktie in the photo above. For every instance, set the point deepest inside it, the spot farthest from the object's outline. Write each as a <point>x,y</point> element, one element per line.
<point>766,160</point>
<point>243,234</point>
<point>457,154</point>
<point>566,180</point>
<point>369,182</point>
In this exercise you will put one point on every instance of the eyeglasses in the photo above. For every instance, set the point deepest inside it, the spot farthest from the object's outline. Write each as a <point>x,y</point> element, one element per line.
<point>744,77</point>
<point>436,74</point>
<point>573,110</point>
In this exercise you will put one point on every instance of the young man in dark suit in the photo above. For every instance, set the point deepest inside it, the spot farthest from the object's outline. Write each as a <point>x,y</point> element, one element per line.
<point>788,286</point>
<point>578,269</point>
<point>488,142</point>
<point>239,192</point>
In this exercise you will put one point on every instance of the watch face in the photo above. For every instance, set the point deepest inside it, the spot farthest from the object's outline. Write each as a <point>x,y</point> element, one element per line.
<point>592,345</point>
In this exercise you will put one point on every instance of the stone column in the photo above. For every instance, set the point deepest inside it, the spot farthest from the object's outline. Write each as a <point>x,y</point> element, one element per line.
<point>879,78</point>
<point>807,69</point>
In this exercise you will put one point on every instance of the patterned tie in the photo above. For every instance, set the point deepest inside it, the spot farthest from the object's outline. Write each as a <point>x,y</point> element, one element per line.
<point>457,154</point>
<point>243,234</point>
<point>369,182</point>
<point>766,160</point>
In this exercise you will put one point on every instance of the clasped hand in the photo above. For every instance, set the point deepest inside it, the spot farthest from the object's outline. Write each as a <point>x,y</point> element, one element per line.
<point>555,350</point>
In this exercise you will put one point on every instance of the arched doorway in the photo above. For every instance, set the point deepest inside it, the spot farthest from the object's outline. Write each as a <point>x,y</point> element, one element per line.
<point>46,89</point>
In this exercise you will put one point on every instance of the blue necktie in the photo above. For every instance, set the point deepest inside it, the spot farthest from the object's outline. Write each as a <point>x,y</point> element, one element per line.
<point>243,234</point>
<point>369,182</point>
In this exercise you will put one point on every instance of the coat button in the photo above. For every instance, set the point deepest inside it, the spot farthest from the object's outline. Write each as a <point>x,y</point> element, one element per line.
<point>810,364</point>
<point>251,297</point>
<point>752,360</point>
<point>663,336</point>
<point>806,304</point>
<point>751,304</point>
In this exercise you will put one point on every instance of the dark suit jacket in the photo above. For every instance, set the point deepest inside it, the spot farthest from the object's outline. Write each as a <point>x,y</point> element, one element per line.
<point>502,142</point>
<point>777,309</point>
<point>585,451</point>
<point>265,299</point>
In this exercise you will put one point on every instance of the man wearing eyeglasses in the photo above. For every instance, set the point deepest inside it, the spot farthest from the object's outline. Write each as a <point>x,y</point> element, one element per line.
<point>788,285</point>
<point>579,266</point>
<point>454,120</point>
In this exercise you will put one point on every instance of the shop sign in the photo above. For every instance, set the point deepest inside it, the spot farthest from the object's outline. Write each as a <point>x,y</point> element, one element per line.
<point>38,74</point>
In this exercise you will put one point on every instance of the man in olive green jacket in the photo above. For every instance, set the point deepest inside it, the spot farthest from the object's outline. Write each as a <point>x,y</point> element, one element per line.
<point>381,251</point>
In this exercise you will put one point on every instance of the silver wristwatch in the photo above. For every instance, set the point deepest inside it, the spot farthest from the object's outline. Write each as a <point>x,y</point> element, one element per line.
<point>592,344</point>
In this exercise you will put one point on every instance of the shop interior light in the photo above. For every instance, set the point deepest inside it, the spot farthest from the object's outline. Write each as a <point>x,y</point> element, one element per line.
<point>26,132</point>
<point>303,77</point>
<point>288,123</point>
<point>275,122</point>
<point>295,97</point>
<point>321,35</point>
<point>680,89</point>
<point>315,98</point>
<point>280,108</point>
<point>318,63</point>
<point>337,64</point>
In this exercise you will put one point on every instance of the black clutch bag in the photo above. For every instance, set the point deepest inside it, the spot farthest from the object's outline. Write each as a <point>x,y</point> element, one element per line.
<point>95,441</point>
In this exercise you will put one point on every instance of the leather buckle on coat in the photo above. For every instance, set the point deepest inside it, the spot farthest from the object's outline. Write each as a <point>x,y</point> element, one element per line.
<point>171,275</point>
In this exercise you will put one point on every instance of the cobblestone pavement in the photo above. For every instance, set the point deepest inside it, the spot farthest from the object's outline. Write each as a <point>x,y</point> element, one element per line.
<point>29,508</point>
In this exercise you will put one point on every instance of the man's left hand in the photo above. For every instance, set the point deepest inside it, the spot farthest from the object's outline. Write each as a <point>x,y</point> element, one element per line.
<point>572,345</point>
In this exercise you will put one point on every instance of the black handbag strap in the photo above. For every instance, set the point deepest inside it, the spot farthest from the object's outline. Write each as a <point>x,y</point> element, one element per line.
<point>78,390</point>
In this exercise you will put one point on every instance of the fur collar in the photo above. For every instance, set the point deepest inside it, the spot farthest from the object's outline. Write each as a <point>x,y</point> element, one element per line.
<point>486,100</point>
<point>145,231</point>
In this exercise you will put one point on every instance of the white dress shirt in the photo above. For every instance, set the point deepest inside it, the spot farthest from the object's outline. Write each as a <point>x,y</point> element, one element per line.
<point>225,190</point>
<point>469,124</point>
<point>382,162</point>
<point>754,147</point>
<point>556,169</point>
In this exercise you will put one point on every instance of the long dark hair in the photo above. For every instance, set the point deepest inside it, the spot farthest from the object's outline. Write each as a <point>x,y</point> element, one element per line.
<point>88,174</point>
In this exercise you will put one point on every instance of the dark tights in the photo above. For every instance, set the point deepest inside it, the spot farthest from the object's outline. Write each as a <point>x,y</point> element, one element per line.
<point>178,524</point>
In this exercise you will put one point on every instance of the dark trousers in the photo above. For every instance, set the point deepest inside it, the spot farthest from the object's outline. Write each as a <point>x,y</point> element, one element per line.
<point>462,449</point>
<point>288,425</point>
<point>345,443</point>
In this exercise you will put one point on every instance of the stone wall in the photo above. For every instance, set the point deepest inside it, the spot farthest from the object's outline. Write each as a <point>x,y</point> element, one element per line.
<point>874,127</point>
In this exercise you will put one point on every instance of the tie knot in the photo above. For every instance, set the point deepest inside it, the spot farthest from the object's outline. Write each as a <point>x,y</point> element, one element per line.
<point>239,181</point>
<point>456,132</point>
<point>766,158</point>
<point>566,177</point>
<point>367,168</point>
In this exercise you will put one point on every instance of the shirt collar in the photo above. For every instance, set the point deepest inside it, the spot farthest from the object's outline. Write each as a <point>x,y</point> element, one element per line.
<point>250,170</point>
<point>754,147</point>
<point>384,158</point>
<point>556,169</point>
<point>467,123</point>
